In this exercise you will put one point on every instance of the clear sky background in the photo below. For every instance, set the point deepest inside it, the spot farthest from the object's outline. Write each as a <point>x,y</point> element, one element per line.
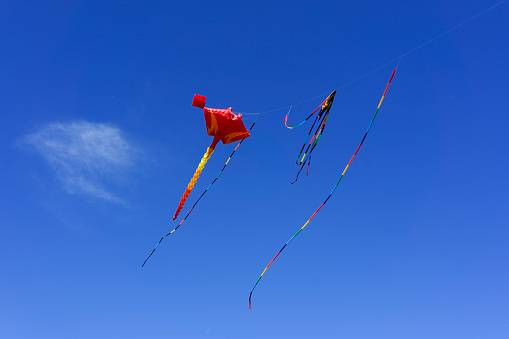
<point>98,141</point>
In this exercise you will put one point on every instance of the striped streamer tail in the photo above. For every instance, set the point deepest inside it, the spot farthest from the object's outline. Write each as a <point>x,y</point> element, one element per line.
<point>196,175</point>
<point>192,208</point>
<point>217,177</point>
<point>309,116</point>
<point>331,193</point>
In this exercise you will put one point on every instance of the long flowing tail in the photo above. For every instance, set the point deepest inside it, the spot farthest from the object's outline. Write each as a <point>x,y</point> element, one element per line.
<point>196,175</point>
<point>192,208</point>
<point>331,193</point>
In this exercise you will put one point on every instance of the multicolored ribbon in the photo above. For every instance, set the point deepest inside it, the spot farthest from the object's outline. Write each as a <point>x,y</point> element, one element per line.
<point>287,114</point>
<point>332,192</point>
<point>321,118</point>
<point>188,213</point>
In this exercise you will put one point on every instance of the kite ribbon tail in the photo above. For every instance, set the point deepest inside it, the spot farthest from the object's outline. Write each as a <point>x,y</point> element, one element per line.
<point>331,193</point>
<point>196,175</point>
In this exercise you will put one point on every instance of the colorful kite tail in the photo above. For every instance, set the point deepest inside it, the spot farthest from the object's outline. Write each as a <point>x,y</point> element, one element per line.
<point>331,193</point>
<point>192,208</point>
<point>196,175</point>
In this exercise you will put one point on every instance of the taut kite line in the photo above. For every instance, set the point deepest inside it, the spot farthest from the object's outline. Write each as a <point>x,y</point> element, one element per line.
<point>332,192</point>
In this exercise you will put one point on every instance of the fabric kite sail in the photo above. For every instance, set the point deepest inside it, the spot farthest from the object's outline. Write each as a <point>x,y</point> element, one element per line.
<point>224,126</point>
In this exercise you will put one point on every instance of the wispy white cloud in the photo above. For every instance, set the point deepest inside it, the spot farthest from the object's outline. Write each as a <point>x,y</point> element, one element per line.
<point>85,155</point>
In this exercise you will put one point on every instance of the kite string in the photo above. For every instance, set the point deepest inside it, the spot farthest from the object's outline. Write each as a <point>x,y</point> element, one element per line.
<point>453,28</point>
<point>391,61</point>
<point>332,192</point>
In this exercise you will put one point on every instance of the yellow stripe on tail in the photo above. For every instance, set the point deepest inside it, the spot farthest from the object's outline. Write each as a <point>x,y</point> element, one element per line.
<point>196,175</point>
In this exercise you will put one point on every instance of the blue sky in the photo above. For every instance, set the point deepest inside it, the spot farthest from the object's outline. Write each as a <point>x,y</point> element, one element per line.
<point>99,140</point>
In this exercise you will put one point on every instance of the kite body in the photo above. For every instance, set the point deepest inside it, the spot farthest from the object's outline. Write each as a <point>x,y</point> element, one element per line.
<point>224,126</point>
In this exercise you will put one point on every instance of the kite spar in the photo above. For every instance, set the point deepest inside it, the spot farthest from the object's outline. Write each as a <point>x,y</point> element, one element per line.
<point>332,192</point>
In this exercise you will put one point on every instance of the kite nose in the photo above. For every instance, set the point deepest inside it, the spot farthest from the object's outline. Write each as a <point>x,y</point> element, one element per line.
<point>198,101</point>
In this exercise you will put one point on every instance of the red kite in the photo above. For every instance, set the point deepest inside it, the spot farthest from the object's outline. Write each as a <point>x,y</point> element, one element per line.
<point>224,126</point>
